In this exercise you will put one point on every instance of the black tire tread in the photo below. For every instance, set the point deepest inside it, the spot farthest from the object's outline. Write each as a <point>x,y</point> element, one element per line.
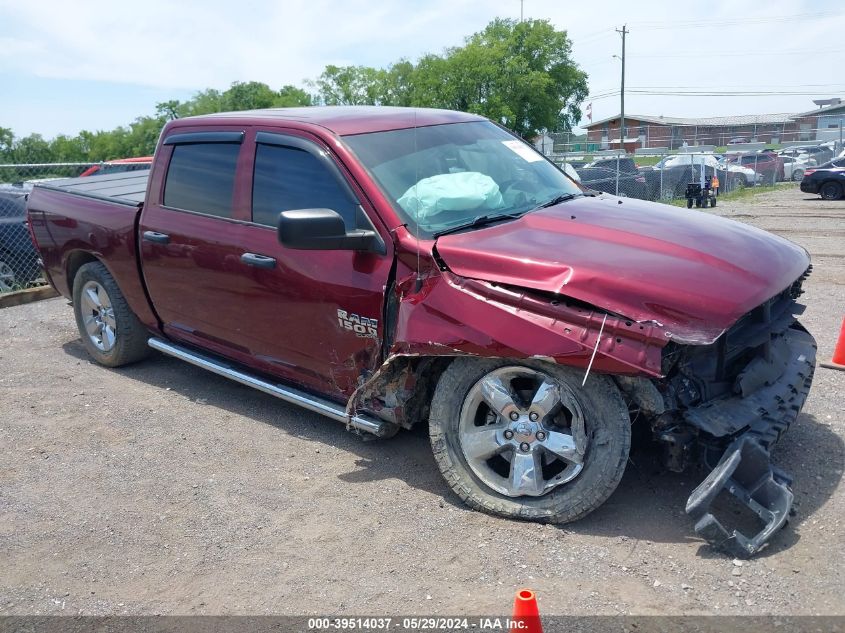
<point>831,186</point>
<point>568,502</point>
<point>130,335</point>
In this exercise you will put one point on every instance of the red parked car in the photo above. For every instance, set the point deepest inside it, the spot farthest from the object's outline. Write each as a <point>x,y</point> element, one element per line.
<point>388,267</point>
<point>118,165</point>
<point>768,164</point>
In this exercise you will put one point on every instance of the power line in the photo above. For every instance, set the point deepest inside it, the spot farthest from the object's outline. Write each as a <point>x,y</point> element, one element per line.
<point>745,53</point>
<point>747,21</point>
<point>782,93</point>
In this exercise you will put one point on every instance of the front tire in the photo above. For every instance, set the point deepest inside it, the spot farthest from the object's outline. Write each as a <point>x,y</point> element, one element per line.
<point>798,175</point>
<point>524,440</point>
<point>110,330</point>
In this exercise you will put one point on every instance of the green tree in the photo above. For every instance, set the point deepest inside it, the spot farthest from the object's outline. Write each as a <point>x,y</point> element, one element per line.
<point>67,149</point>
<point>518,73</point>
<point>31,149</point>
<point>352,85</point>
<point>248,95</point>
<point>169,109</point>
<point>204,102</point>
<point>7,138</point>
<point>291,96</point>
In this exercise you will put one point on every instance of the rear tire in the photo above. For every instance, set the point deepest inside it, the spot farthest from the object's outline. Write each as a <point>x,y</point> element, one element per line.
<point>8,276</point>
<point>831,191</point>
<point>110,331</point>
<point>798,175</point>
<point>579,440</point>
<point>17,271</point>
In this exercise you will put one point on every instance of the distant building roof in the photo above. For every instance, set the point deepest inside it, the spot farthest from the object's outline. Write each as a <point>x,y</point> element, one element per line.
<point>833,107</point>
<point>745,119</point>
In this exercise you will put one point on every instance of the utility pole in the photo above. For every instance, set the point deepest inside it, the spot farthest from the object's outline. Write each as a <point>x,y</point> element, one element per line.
<point>623,33</point>
<point>521,7</point>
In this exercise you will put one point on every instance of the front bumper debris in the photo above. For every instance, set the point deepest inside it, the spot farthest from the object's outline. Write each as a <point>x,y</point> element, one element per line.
<point>755,423</point>
<point>746,473</point>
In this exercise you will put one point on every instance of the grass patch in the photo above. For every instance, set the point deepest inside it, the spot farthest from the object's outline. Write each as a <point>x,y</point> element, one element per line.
<point>746,193</point>
<point>647,161</point>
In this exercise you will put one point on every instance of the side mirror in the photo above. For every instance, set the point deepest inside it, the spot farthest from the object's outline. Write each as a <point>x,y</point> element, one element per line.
<point>324,230</point>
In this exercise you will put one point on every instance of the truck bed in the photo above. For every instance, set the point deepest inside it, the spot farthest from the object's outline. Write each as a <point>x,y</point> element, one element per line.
<point>77,220</point>
<point>125,187</point>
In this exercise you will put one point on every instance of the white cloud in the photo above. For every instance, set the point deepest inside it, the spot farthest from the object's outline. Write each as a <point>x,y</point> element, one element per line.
<point>201,44</point>
<point>192,45</point>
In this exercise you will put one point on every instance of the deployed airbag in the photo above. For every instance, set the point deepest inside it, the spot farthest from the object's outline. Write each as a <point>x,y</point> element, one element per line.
<point>461,191</point>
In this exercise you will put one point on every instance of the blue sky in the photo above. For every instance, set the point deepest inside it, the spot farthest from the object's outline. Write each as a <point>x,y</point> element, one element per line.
<point>67,66</point>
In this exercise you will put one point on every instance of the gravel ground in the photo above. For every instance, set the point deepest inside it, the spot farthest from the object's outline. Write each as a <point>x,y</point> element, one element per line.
<point>159,488</point>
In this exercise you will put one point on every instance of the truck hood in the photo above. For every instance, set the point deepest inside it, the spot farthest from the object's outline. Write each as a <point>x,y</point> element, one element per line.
<point>691,272</point>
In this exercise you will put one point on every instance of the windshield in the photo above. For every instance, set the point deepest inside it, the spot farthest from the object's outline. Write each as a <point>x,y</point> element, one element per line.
<point>444,176</point>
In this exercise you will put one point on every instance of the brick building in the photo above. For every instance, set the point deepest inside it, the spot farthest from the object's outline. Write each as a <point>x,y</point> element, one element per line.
<point>821,124</point>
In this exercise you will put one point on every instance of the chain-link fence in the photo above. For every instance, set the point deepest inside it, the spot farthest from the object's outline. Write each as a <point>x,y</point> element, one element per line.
<point>665,175</point>
<point>658,159</point>
<point>19,267</point>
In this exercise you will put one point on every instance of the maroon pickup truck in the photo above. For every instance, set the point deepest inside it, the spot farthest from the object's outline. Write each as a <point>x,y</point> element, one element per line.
<point>387,267</point>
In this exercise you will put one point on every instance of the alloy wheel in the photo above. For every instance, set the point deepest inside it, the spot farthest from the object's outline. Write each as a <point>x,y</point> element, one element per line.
<point>522,432</point>
<point>98,316</point>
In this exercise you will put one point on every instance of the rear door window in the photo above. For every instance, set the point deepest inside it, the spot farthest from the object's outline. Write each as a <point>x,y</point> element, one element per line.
<point>201,178</point>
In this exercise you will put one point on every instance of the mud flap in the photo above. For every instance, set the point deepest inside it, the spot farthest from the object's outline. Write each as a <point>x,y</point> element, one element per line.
<point>746,472</point>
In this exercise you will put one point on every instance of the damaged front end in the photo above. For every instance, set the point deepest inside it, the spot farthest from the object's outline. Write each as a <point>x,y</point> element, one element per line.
<point>725,405</point>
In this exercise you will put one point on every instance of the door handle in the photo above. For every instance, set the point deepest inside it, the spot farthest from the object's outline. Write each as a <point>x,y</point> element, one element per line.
<point>259,261</point>
<point>158,238</point>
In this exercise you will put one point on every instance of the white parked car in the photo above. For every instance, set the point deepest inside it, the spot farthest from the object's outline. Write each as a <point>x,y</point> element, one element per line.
<point>798,154</point>
<point>794,167</point>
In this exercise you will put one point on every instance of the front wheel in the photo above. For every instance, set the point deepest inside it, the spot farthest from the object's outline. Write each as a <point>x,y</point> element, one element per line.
<point>524,440</point>
<point>797,175</point>
<point>110,330</point>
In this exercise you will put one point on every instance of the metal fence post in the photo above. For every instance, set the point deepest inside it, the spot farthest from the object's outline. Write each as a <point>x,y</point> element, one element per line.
<point>660,194</point>
<point>617,174</point>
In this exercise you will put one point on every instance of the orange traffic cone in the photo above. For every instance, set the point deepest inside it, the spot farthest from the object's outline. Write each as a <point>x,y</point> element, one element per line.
<point>838,360</point>
<point>526,615</point>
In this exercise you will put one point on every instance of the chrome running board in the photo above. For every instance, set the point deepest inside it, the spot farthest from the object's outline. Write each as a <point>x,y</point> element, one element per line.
<point>288,394</point>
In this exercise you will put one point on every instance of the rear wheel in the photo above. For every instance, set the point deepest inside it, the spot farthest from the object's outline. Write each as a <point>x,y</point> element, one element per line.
<point>8,278</point>
<point>798,175</point>
<point>524,439</point>
<point>831,191</point>
<point>110,330</point>
<point>17,271</point>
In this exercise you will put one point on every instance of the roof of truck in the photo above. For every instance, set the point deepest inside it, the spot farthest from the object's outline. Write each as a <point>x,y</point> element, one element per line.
<point>342,120</point>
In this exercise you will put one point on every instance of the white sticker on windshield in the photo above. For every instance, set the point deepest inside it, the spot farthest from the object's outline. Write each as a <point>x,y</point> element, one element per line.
<point>522,150</point>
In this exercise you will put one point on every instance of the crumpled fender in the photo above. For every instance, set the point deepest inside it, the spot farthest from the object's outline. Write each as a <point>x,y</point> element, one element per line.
<point>443,314</point>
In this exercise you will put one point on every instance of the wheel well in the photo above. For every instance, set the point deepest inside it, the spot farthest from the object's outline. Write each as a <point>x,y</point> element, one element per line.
<point>401,390</point>
<point>75,261</point>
